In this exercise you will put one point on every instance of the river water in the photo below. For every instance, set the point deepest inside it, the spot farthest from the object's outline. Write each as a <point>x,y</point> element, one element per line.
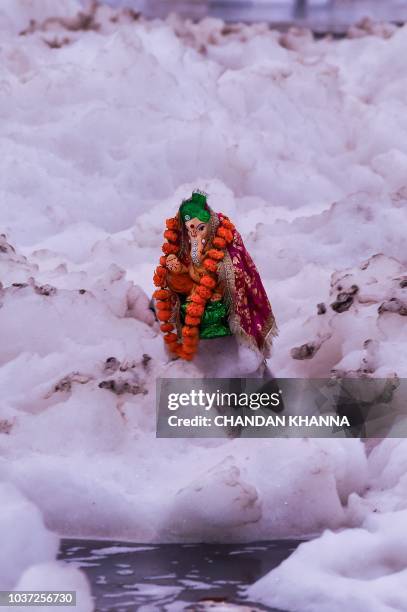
<point>321,16</point>
<point>172,577</point>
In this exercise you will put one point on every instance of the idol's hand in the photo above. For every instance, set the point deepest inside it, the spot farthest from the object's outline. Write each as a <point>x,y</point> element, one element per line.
<point>173,264</point>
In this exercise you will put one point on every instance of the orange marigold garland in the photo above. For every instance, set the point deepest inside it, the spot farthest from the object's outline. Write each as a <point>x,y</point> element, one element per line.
<point>162,294</point>
<point>195,297</point>
<point>195,310</point>
<point>192,320</point>
<point>172,223</point>
<point>160,275</point>
<point>190,331</point>
<point>210,264</point>
<point>208,282</point>
<point>216,254</point>
<point>219,243</point>
<point>170,248</point>
<point>171,236</point>
<point>163,315</point>
<point>166,327</point>
<point>187,348</point>
<point>170,338</point>
<point>203,292</point>
<point>225,233</point>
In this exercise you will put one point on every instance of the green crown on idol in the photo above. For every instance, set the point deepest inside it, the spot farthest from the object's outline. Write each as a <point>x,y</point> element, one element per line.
<point>195,207</point>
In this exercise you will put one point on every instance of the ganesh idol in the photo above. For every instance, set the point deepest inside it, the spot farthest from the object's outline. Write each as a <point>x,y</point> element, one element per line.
<point>207,284</point>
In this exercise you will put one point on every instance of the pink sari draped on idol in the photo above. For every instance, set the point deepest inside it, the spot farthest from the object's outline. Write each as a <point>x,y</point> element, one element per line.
<point>251,317</point>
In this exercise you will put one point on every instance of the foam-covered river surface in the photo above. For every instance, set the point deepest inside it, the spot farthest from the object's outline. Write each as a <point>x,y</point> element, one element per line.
<point>126,577</point>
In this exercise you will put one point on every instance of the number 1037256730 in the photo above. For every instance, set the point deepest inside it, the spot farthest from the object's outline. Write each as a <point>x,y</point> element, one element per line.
<point>37,598</point>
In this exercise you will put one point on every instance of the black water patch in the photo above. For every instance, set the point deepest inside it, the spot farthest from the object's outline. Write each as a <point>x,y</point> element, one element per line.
<point>125,577</point>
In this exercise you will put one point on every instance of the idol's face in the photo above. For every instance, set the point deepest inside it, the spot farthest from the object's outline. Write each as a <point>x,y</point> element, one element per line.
<point>197,229</point>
